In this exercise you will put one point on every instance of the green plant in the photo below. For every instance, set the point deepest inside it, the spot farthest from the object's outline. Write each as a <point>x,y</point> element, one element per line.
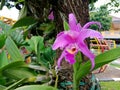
<point>101,15</point>
<point>14,71</point>
<point>72,43</point>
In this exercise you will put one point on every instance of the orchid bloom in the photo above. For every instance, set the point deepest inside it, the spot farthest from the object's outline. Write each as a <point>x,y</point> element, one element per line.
<point>72,41</point>
<point>51,16</point>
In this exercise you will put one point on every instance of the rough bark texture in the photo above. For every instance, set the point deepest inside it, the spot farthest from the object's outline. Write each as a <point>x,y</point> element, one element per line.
<point>38,8</point>
<point>78,7</point>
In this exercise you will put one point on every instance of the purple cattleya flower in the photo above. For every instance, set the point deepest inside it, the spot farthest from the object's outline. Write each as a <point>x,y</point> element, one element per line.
<point>73,40</point>
<point>51,16</point>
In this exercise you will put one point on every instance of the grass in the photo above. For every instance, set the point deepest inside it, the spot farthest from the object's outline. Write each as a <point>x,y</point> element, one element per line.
<point>110,85</point>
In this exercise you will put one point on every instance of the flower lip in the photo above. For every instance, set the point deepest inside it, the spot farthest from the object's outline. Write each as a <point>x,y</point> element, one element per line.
<point>73,50</point>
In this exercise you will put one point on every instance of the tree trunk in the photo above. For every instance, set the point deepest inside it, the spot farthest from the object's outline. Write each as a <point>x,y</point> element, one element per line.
<point>79,7</point>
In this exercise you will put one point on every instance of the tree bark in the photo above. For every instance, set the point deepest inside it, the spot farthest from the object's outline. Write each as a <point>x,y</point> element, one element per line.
<point>78,7</point>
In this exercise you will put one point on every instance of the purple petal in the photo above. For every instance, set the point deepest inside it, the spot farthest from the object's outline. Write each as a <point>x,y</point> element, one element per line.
<point>84,49</point>
<point>60,59</point>
<point>60,41</point>
<point>72,21</point>
<point>73,36</point>
<point>51,16</point>
<point>78,27</point>
<point>90,33</point>
<point>87,25</point>
<point>70,58</point>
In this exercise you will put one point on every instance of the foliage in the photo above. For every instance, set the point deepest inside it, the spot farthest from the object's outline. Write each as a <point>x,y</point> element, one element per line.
<point>36,87</point>
<point>24,61</point>
<point>114,5</point>
<point>110,85</point>
<point>101,15</point>
<point>84,68</point>
<point>26,57</point>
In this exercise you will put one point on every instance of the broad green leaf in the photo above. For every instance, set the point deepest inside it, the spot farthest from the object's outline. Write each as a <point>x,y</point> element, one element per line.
<point>2,4</point>
<point>41,44</point>
<point>2,87</point>
<point>100,60</point>
<point>15,64</point>
<point>26,21</point>
<point>2,80</point>
<point>47,27</point>
<point>18,70</point>
<point>38,67</point>
<point>20,73</point>
<point>2,39</point>
<point>35,42</point>
<point>48,57</point>
<point>13,50</point>
<point>5,27</point>
<point>78,61</point>
<point>30,47</point>
<point>18,38</point>
<point>66,26</point>
<point>36,87</point>
<point>3,59</point>
<point>14,85</point>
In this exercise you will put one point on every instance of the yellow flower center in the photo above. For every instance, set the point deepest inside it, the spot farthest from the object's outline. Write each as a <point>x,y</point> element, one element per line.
<point>72,51</point>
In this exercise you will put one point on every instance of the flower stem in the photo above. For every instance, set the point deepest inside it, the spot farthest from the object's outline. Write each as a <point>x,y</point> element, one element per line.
<point>75,81</point>
<point>56,81</point>
<point>76,67</point>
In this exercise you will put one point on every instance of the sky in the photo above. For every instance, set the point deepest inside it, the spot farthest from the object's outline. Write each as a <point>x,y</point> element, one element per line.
<point>13,13</point>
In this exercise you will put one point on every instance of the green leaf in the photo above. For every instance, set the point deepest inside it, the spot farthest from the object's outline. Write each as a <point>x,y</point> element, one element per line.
<point>6,29</point>
<point>2,87</point>
<point>15,64</point>
<point>20,73</point>
<point>38,40</point>
<point>78,61</point>
<point>36,87</point>
<point>48,57</point>
<point>26,21</point>
<point>47,27</point>
<point>66,26</point>
<point>15,84</point>
<point>18,70</point>
<point>35,42</point>
<point>107,56</point>
<point>18,38</point>
<point>2,4</point>
<point>100,60</point>
<point>2,39</point>
<point>3,59</point>
<point>13,50</point>
<point>2,80</point>
<point>4,26</point>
